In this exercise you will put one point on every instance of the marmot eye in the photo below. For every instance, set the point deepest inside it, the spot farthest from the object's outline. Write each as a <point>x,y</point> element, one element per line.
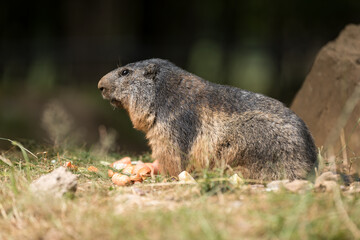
<point>124,72</point>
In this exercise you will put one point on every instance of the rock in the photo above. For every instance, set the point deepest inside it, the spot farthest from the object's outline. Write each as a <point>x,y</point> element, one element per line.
<point>254,188</point>
<point>56,183</point>
<point>332,81</point>
<point>257,186</point>
<point>299,186</point>
<point>276,185</point>
<point>185,177</point>
<point>294,186</point>
<point>326,182</point>
<point>236,180</point>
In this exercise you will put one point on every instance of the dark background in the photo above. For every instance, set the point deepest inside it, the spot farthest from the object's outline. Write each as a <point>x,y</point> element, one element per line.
<point>52,54</point>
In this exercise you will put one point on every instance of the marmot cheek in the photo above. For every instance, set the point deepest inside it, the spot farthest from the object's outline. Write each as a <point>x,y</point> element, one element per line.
<point>105,94</point>
<point>118,102</point>
<point>115,103</point>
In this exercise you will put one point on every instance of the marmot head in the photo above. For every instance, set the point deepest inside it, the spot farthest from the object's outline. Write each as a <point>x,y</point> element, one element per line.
<point>134,87</point>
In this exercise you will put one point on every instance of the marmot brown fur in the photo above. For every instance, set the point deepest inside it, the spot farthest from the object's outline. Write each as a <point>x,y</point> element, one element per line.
<point>190,122</point>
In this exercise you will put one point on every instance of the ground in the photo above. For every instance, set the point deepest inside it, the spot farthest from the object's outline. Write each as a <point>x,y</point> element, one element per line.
<point>211,209</point>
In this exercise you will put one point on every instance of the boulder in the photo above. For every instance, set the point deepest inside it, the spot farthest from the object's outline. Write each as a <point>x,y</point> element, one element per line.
<point>299,186</point>
<point>328,101</point>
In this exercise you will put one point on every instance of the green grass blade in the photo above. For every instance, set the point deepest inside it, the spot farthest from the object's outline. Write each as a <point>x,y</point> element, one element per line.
<point>24,152</point>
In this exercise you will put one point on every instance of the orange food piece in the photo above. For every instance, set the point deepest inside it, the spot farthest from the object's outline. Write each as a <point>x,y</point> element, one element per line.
<point>132,173</point>
<point>152,169</point>
<point>145,170</point>
<point>93,169</point>
<point>136,178</point>
<point>121,164</point>
<point>129,169</point>
<point>138,166</point>
<point>70,166</point>
<point>110,173</point>
<point>120,179</point>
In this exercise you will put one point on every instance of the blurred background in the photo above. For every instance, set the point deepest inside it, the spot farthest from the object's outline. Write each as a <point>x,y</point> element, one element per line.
<point>52,54</point>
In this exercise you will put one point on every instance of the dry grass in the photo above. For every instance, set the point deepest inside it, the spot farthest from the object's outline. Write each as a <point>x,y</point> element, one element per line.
<point>209,210</point>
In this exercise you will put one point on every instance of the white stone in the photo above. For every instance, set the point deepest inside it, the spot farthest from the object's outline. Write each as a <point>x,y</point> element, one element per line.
<point>56,183</point>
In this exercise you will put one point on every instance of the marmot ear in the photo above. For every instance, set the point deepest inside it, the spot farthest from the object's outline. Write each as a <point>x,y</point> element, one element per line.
<point>151,70</point>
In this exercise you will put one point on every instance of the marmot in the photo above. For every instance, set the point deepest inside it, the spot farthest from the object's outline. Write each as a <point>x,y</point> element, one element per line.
<point>192,123</point>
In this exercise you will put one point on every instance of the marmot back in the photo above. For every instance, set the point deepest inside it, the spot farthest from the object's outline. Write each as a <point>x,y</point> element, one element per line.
<point>192,123</point>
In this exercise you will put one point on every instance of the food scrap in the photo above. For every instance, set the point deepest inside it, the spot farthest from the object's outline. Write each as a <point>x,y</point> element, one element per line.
<point>125,172</point>
<point>110,173</point>
<point>132,172</point>
<point>93,169</point>
<point>120,179</point>
<point>70,166</point>
<point>121,164</point>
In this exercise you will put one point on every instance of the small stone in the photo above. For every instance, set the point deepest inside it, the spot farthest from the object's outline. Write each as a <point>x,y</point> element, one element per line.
<point>276,185</point>
<point>236,180</point>
<point>256,188</point>
<point>298,186</point>
<point>56,183</point>
<point>185,177</point>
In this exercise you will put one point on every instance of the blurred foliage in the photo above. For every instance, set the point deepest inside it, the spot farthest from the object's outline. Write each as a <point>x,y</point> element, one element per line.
<point>59,50</point>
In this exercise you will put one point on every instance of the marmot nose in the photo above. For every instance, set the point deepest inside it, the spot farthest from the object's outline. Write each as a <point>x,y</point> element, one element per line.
<point>101,85</point>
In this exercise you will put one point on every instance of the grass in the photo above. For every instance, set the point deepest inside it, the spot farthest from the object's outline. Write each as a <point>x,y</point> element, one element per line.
<point>209,210</point>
